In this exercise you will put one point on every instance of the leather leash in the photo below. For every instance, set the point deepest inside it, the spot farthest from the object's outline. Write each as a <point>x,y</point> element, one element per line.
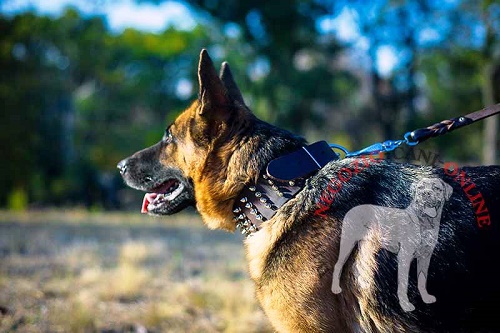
<point>445,126</point>
<point>285,176</point>
<point>419,135</point>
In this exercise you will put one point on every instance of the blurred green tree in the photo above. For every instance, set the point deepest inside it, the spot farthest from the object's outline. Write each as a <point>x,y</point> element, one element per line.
<point>295,82</point>
<point>78,98</point>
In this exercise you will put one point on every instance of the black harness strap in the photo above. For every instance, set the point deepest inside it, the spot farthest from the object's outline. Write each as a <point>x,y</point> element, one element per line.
<point>302,162</point>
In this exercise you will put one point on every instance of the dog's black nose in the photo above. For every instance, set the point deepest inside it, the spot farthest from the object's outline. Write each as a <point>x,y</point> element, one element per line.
<point>122,166</point>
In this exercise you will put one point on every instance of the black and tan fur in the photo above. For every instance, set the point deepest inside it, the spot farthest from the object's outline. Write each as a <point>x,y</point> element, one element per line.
<point>217,146</point>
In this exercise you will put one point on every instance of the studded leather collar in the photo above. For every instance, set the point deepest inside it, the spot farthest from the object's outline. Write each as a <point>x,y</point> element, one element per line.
<point>281,180</point>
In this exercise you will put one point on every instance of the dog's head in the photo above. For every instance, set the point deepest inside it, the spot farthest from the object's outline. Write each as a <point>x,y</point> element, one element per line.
<point>196,152</point>
<point>430,195</point>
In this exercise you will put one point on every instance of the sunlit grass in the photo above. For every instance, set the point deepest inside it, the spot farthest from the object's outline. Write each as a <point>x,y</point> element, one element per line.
<point>87,272</point>
<point>72,315</point>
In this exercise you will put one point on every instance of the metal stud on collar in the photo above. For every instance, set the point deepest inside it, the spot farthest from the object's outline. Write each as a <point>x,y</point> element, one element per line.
<point>246,227</point>
<point>263,193</point>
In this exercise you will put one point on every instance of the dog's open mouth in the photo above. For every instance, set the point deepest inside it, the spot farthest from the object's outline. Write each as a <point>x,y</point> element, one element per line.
<point>162,196</point>
<point>431,209</point>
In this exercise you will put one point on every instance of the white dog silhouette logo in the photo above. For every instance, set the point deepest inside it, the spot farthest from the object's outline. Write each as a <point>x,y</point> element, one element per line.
<point>411,233</point>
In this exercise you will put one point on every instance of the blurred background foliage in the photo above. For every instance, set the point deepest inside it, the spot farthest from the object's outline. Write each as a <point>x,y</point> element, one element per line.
<point>78,96</point>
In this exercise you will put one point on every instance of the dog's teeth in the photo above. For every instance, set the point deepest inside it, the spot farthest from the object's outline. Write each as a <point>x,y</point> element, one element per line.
<point>176,190</point>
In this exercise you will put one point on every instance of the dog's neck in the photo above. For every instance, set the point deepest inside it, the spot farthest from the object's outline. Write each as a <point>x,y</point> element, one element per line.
<point>278,182</point>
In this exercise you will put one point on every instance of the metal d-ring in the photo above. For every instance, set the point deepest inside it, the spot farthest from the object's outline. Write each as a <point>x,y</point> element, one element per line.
<point>408,139</point>
<point>336,146</point>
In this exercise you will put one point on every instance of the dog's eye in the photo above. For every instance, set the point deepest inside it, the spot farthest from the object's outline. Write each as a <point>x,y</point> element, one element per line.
<point>167,137</point>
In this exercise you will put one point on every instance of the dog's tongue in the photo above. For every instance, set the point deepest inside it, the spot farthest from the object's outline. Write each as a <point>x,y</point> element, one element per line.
<point>430,211</point>
<point>148,198</point>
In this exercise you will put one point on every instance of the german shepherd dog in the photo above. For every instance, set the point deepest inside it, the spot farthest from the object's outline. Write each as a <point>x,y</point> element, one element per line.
<point>216,148</point>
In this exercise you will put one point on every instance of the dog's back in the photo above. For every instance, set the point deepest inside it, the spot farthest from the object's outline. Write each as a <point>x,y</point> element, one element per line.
<point>463,271</point>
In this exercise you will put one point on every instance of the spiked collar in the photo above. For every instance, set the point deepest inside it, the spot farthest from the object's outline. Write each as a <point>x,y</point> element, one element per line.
<point>279,182</point>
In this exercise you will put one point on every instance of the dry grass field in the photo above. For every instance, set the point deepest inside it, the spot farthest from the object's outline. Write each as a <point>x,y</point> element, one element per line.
<point>76,271</point>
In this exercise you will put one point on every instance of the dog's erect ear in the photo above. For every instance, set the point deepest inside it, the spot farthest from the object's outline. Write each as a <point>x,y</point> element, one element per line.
<point>212,91</point>
<point>232,89</point>
<point>448,190</point>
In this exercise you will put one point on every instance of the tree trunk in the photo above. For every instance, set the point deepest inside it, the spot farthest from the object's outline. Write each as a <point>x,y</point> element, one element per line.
<point>491,124</point>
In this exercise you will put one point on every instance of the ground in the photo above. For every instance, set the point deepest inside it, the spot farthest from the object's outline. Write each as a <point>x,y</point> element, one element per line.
<point>76,271</point>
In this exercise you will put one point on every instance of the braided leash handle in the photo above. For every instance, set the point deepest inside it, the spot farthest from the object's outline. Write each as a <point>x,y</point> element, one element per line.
<point>449,125</point>
<point>422,134</point>
<point>440,128</point>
